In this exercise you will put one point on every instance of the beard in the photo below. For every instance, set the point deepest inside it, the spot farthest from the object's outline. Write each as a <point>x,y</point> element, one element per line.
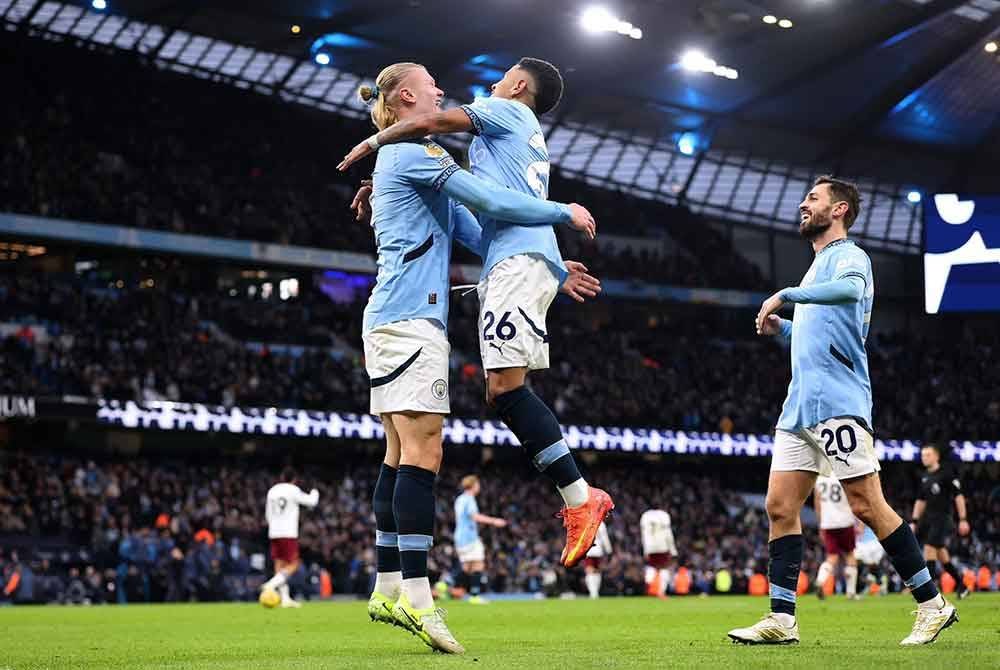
<point>817,224</point>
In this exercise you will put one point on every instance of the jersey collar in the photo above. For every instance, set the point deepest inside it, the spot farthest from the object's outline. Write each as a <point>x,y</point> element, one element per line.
<point>836,243</point>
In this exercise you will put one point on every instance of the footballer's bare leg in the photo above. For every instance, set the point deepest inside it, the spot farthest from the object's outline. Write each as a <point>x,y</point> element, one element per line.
<point>540,434</point>
<point>787,491</point>
<point>868,503</point>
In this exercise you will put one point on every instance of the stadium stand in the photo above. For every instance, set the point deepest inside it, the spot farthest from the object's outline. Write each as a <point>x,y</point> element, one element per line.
<point>112,530</point>
<point>98,139</point>
<point>196,344</point>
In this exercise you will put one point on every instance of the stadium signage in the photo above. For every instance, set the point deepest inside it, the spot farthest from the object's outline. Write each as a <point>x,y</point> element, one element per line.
<point>334,425</point>
<point>15,406</point>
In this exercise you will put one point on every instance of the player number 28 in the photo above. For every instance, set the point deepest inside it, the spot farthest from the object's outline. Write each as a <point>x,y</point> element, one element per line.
<point>505,330</point>
<point>832,493</point>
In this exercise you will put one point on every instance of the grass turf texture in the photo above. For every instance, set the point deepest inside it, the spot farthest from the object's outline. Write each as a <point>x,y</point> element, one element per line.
<point>609,633</point>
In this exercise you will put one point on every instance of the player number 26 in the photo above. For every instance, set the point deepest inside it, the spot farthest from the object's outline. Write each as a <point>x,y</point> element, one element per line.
<point>505,330</point>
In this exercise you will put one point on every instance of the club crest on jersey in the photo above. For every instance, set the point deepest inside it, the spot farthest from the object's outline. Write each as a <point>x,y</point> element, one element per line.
<point>935,488</point>
<point>434,151</point>
<point>439,389</point>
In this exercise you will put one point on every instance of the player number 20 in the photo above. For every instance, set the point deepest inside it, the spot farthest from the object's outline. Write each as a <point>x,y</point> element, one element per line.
<point>505,330</point>
<point>845,438</point>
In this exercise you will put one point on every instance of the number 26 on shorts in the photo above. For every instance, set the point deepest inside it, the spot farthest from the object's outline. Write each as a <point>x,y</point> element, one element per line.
<point>505,330</point>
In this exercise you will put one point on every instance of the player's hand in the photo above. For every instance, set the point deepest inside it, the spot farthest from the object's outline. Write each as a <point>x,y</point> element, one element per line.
<point>772,325</point>
<point>579,285</point>
<point>360,150</point>
<point>500,523</point>
<point>582,220</point>
<point>361,204</point>
<point>770,306</point>
<point>964,528</point>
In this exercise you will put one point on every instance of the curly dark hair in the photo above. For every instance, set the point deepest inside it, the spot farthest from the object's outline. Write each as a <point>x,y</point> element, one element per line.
<point>548,80</point>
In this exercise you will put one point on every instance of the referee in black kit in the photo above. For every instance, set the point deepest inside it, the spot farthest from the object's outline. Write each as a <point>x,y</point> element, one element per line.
<point>933,522</point>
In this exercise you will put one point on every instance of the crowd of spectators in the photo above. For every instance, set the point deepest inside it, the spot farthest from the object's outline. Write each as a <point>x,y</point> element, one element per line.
<point>633,364</point>
<point>150,344</point>
<point>104,139</point>
<point>113,530</point>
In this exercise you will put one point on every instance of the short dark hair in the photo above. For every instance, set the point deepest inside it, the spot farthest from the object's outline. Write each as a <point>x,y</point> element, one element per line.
<point>288,474</point>
<point>846,191</point>
<point>548,81</point>
<point>932,445</point>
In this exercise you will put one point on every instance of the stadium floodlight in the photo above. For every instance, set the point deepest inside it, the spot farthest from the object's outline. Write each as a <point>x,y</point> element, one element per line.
<point>914,197</point>
<point>600,20</point>
<point>991,47</point>
<point>322,58</point>
<point>99,5</point>
<point>785,23</point>
<point>296,29</point>
<point>770,19</point>
<point>687,143</point>
<point>597,20</point>
<point>696,61</point>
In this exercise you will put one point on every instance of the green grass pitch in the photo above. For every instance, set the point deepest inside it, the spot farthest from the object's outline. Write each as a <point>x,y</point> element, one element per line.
<point>608,633</point>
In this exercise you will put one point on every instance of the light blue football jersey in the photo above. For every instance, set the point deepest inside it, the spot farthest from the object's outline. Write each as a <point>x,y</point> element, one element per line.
<point>466,529</point>
<point>829,361</point>
<point>510,151</point>
<point>414,225</point>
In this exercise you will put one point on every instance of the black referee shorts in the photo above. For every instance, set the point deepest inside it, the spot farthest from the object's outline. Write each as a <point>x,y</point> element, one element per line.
<point>936,533</point>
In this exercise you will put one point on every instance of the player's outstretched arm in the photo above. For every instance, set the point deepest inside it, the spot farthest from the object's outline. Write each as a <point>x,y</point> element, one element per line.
<point>488,520</point>
<point>436,123</point>
<point>837,292</point>
<point>508,205</point>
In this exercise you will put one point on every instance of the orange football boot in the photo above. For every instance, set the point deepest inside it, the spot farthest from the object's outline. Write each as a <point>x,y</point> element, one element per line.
<point>581,524</point>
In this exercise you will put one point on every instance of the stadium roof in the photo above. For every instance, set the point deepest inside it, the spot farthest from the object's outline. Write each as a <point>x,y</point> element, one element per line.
<point>848,71</point>
<point>902,92</point>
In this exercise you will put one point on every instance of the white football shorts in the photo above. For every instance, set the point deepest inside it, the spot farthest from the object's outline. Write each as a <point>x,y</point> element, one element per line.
<point>513,301</point>
<point>407,363</point>
<point>840,447</point>
<point>470,553</point>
